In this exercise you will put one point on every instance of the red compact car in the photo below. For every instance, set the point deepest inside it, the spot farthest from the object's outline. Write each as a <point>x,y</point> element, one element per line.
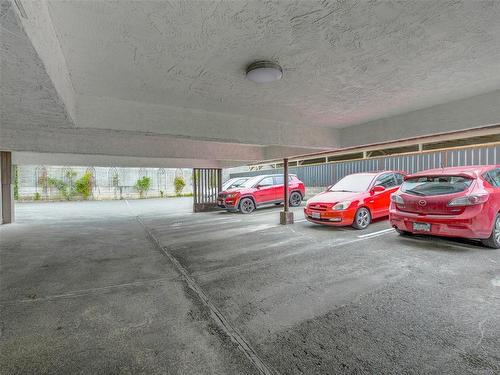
<point>354,200</point>
<point>261,190</point>
<point>452,202</point>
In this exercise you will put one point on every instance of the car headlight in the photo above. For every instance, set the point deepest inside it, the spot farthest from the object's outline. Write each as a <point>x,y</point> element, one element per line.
<point>342,205</point>
<point>231,195</point>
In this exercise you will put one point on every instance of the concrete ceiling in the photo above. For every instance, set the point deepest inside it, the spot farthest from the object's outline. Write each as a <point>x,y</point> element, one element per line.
<point>345,62</point>
<point>165,81</point>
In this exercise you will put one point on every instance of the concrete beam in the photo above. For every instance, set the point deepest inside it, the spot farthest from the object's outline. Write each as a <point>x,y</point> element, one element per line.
<point>117,114</point>
<point>462,114</point>
<point>122,143</point>
<point>39,27</point>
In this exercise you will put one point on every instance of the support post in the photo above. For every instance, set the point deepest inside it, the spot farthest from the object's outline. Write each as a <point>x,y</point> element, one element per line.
<point>7,193</point>
<point>286,216</point>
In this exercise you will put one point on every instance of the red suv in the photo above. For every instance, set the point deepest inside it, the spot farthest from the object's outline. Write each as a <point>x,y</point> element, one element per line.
<point>453,202</point>
<point>261,190</point>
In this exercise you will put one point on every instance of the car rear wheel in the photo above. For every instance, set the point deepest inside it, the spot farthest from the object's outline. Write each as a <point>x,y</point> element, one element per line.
<point>295,199</point>
<point>362,218</point>
<point>247,206</point>
<point>494,240</point>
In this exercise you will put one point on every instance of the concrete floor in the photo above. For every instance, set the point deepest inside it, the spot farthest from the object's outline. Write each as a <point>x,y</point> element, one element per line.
<point>87,288</point>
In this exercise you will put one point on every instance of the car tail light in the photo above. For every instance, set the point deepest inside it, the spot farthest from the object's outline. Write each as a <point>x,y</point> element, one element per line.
<point>396,198</point>
<point>468,200</point>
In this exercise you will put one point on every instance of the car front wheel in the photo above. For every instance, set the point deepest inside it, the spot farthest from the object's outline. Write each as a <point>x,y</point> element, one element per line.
<point>494,240</point>
<point>362,218</point>
<point>247,206</point>
<point>295,199</point>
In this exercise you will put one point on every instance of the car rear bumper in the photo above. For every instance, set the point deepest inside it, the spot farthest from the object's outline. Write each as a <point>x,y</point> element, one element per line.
<point>464,225</point>
<point>331,218</point>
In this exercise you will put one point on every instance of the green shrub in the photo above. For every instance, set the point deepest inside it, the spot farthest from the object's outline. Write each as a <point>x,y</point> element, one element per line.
<point>66,190</point>
<point>179,184</point>
<point>162,193</point>
<point>16,183</point>
<point>83,185</point>
<point>143,185</point>
<point>37,196</point>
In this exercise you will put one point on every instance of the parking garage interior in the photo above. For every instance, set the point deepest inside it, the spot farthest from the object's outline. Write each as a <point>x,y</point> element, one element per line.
<point>176,285</point>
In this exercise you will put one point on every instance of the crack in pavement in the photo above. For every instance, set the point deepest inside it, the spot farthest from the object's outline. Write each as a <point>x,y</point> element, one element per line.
<point>216,314</point>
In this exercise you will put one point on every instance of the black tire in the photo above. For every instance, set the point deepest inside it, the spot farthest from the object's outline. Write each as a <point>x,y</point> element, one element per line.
<point>295,199</point>
<point>403,232</point>
<point>493,240</point>
<point>362,218</point>
<point>247,205</point>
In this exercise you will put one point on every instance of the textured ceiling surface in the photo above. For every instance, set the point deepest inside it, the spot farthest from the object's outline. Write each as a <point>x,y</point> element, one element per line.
<point>344,62</point>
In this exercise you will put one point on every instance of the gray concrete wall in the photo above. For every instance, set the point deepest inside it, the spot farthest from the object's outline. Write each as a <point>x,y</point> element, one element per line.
<point>476,111</point>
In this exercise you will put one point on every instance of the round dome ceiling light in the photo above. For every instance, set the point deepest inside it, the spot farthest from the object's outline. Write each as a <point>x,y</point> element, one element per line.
<point>264,71</point>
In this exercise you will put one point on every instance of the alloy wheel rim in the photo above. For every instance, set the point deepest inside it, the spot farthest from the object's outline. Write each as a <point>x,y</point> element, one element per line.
<point>295,198</point>
<point>247,206</point>
<point>497,230</point>
<point>362,218</point>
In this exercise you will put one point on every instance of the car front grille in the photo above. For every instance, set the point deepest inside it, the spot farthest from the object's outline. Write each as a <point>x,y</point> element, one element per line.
<point>317,207</point>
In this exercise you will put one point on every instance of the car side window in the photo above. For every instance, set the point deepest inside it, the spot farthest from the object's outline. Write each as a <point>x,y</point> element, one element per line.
<point>493,177</point>
<point>386,180</point>
<point>399,178</point>
<point>268,181</point>
<point>279,180</point>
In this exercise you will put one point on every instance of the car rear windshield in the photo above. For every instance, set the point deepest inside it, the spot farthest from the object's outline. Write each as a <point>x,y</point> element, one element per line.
<point>435,185</point>
<point>354,182</point>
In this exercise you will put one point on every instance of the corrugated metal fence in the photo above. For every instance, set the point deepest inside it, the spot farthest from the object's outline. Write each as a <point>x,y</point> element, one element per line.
<point>322,175</point>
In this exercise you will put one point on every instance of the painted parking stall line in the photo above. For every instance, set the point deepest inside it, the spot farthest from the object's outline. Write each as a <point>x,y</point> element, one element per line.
<point>378,233</point>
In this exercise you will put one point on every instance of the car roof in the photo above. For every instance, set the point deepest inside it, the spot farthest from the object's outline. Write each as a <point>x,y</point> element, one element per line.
<point>273,175</point>
<point>374,173</point>
<point>469,170</point>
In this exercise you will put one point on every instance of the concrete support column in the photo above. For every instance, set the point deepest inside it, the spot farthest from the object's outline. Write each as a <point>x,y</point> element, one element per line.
<point>7,193</point>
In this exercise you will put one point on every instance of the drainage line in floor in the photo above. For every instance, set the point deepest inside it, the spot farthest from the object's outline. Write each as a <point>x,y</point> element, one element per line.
<point>216,314</point>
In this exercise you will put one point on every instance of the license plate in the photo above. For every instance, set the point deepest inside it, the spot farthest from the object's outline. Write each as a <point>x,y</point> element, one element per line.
<point>422,227</point>
<point>316,215</point>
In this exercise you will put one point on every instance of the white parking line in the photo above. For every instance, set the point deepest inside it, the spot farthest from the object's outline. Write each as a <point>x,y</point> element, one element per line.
<point>376,233</point>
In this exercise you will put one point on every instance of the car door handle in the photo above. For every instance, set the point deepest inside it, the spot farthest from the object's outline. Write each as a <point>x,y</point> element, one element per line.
<point>371,201</point>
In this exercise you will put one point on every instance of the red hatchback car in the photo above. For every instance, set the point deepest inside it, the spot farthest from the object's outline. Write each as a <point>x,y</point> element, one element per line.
<point>261,190</point>
<point>452,202</point>
<point>354,200</point>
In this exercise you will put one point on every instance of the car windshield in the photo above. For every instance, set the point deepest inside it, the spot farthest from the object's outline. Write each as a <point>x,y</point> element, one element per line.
<point>251,182</point>
<point>354,182</point>
<point>234,182</point>
<point>435,185</point>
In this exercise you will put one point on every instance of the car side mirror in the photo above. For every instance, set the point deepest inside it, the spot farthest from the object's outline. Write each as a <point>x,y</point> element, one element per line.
<point>377,189</point>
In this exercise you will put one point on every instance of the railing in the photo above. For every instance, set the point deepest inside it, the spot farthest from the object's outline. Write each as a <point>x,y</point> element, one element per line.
<point>325,174</point>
